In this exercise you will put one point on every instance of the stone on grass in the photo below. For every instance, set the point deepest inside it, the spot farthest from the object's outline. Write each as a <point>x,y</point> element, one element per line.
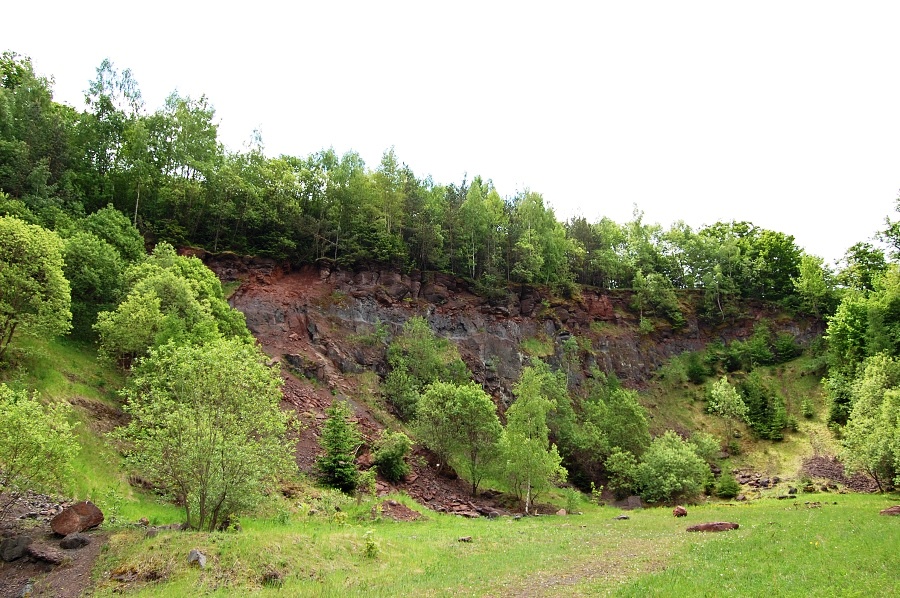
<point>623,517</point>
<point>465,539</point>
<point>197,559</point>
<point>77,518</point>
<point>679,511</point>
<point>713,526</point>
<point>561,512</point>
<point>14,548</point>
<point>895,510</point>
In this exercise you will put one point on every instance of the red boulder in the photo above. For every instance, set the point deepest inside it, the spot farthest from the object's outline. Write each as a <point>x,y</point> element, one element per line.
<point>895,510</point>
<point>679,511</point>
<point>77,518</point>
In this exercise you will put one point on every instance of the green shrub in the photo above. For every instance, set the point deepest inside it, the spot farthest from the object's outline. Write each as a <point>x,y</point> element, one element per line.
<point>671,470</point>
<point>727,487</point>
<point>621,469</point>
<point>390,455</point>
<point>37,445</point>
<point>697,370</point>
<point>806,409</point>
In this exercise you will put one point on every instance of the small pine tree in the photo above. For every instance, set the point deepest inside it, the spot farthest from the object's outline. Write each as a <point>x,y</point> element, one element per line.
<point>340,439</point>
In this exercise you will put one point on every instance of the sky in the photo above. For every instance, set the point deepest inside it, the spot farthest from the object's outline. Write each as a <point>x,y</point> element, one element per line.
<point>781,113</point>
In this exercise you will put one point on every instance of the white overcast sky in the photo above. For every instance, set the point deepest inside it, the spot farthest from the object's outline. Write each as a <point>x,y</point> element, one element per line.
<point>782,113</point>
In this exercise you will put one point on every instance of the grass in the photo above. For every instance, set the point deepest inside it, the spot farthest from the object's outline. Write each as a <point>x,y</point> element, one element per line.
<point>780,550</point>
<point>537,346</point>
<point>62,369</point>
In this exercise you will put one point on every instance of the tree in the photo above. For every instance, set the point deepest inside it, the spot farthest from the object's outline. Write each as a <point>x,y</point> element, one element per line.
<point>813,285</point>
<point>340,440</point>
<point>872,435</point>
<point>95,272</point>
<point>726,402</point>
<point>37,448</point>
<point>207,427</point>
<point>460,421</point>
<point>531,463</point>
<point>170,297</point>
<point>671,469</point>
<point>34,293</point>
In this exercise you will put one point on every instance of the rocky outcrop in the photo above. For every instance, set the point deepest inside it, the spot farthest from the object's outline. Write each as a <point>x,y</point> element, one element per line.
<point>895,510</point>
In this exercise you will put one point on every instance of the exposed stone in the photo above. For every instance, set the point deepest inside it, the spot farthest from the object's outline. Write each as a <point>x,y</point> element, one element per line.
<point>465,539</point>
<point>714,526</point>
<point>77,518</point>
<point>45,553</point>
<point>740,497</point>
<point>14,548</point>
<point>895,510</point>
<point>679,511</point>
<point>622,517</point>
<point>792,490</point>
<point>561,512</point>
<point>197,559</point>
<point>74,541</point>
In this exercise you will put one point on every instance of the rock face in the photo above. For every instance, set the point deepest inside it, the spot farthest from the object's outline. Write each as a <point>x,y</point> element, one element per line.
<point>679,511</point>
<point>77,518</point>
<point>891,510</point>
<point>714,526</point>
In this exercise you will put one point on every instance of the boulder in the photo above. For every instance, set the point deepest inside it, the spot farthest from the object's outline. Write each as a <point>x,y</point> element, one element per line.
<point>14,548</point>
<point>714,526</point>
<point>895,510</point>
<point>561,512</point>
<point>45,553</point>
<point>77,518</point>
<point>679,511</point>
<point>633,502</point>
<point>196,559</point>
<point>74,541</point>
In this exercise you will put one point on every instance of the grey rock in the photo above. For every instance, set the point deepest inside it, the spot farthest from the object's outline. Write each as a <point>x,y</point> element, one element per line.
<point>14,548</point>
<point>197,559</point>
<point>74,541</point>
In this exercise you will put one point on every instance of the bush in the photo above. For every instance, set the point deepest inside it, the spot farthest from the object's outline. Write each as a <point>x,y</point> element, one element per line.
<point>621,469</point>
<point>37,445</point>
<point>390,455</point>
<point>697,370</point>
<point>671,470</point>
<point>727,487</point>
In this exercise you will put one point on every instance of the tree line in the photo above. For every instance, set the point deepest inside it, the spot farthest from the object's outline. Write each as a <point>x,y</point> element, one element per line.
<point>168,172</point>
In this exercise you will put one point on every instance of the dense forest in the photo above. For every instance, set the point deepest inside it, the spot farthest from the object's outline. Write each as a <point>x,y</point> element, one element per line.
<point>113,178</point>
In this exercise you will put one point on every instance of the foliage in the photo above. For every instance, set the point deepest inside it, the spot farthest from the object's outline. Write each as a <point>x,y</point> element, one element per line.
<point>95,272</point>
<point>727,486</point>
<point>37,448</point>
<point>340,440</point>
<point>170,298</point>
<point>871,439</point>
<point>206,426</point>
<point>725,402</point>
<point>706,446</point>
<point>766,414</point>
<point>390,453</point>
<point>460,421</point>
<point>112,226</point>
<point>418,358</point>
<point>531,463</point>
<point>670,470</point>
<point>34,293</point>
<point>621,469</point>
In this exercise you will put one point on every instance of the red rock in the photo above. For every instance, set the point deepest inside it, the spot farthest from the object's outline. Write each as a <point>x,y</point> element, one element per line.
<point>715,526</point>
<point>895,510</point>
<point>77,518</point>
<point>679,511</point>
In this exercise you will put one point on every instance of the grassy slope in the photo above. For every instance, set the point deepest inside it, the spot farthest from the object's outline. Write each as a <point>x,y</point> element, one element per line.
<point>67,370</point>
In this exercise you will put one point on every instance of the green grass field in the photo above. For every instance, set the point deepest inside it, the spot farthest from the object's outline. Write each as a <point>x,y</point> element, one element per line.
<point>781,549</point>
